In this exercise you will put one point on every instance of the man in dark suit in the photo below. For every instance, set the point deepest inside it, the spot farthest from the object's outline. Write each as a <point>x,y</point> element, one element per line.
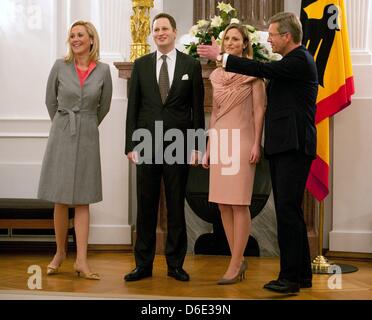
<point>290,139</point>
<point>166,89</point>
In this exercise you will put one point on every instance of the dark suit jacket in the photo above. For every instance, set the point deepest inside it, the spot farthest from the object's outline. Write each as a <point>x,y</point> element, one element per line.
<point>184,107</point>
<point>291,100</point>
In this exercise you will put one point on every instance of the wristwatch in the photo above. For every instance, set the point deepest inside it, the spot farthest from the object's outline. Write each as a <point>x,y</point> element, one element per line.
<point>219,60</point>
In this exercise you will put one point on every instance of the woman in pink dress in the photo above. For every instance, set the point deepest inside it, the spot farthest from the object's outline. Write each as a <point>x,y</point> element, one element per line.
<point>235,133</point>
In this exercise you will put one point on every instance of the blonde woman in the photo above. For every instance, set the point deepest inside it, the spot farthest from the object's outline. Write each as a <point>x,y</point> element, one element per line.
<point>78,97</point>
<point>238,104</point>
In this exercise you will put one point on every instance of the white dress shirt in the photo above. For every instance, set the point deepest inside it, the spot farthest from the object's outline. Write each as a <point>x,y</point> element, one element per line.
<point>224,60</point>
<point>171,62</point>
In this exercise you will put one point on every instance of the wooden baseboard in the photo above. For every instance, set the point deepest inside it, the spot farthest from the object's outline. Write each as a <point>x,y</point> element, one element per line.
<point>31,223</point>
<point>111,247</point>
<point>349,255</point>
<point>31,246</point>
<point>50,246</point>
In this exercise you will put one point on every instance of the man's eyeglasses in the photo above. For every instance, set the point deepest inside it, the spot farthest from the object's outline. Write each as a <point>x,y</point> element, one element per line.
<point>271,35</point>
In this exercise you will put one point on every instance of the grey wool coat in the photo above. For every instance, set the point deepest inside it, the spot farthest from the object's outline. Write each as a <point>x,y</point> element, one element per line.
<point>71,169</point>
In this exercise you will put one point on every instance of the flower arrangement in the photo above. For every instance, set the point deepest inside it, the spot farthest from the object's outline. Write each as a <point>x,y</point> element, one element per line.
<point>204,30</point>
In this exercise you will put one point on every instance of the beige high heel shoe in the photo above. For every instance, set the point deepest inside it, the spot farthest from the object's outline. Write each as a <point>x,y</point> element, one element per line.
<point>52,269</point>
<point>244,265</point>
<point>88,276</point>
<point>239,277</point>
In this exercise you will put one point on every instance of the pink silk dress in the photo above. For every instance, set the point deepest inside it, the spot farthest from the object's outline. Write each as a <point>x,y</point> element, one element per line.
<point>231,179</point>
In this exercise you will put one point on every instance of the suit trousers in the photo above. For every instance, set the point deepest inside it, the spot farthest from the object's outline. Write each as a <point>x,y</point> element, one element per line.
<point>148,194</point>
<point>289,172</point>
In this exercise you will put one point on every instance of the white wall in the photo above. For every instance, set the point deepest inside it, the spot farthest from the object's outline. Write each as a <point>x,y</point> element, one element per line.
<point>28,49</point>
<point>182,11</point>
<point>369,30</point>
<point>24,43</point>
<point>292,6</point>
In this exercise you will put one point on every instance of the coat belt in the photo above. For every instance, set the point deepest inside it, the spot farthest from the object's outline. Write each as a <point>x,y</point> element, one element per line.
<point>72,118</point>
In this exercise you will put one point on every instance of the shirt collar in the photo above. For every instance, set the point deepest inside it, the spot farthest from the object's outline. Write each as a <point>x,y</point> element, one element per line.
<point>171,54</point>
<point>91,66</point>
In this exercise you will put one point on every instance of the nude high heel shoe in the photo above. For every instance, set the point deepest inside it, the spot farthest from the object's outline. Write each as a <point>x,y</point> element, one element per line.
<point>88,276</point>
<point>239,277</point>
<point>54,269</point>
<point>244,265</point>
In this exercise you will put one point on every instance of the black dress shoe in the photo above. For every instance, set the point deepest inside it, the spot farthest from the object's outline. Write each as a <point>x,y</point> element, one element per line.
<point>178,274</point>
<point>138,274</point>
<point>283,286</point>
<point>304,283</point>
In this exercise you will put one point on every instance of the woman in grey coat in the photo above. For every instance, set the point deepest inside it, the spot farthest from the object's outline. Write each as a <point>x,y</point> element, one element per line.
<point>78,97</point>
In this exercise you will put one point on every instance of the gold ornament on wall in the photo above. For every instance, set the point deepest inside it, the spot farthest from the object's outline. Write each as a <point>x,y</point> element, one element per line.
<point>140,28</point>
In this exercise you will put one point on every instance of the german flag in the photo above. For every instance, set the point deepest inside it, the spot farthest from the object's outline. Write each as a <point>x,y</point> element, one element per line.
<point>326,37</point>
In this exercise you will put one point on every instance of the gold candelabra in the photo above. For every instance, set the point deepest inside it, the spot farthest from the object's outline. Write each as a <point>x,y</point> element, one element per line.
<point>140,28</point>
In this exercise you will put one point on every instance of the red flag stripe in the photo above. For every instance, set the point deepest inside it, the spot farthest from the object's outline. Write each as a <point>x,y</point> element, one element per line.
<point>335,102</point>
<point>317,182</point>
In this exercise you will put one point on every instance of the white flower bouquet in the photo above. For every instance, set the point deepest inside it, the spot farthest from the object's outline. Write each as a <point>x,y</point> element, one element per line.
<point>204,30</point>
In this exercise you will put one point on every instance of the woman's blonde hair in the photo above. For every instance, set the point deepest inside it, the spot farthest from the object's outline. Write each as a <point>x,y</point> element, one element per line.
<point>248,50</point>
<point>93,35</point>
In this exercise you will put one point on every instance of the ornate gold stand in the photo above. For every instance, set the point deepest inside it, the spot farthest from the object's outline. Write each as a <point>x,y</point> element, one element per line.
<point>321,264</point>
<point>140,28</point>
